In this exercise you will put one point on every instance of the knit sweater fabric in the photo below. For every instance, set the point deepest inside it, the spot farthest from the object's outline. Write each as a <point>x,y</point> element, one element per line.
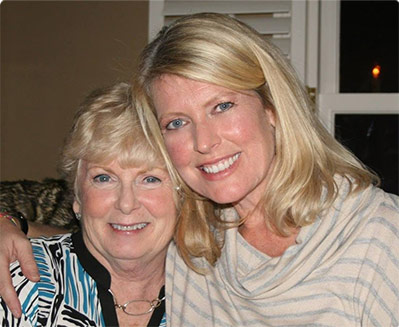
<point>343,270</point>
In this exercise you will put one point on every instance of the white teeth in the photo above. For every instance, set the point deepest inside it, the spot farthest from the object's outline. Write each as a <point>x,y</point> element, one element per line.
<point>223,165</point>
<point>129,227</point>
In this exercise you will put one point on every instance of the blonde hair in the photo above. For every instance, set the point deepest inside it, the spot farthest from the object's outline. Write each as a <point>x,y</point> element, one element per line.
<point>105,127</point>
<point>218,49</point>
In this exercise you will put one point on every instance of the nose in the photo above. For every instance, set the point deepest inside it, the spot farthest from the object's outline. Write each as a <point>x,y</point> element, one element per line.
<point>127,199</point>
<point>205,138</point>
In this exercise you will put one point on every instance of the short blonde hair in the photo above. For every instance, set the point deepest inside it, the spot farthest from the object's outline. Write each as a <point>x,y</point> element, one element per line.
<point>218,49</point>
<point>106,127</point>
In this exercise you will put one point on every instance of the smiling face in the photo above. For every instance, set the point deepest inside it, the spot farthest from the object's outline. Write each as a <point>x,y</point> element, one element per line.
<point>220,141</point>
<point>127,213</point>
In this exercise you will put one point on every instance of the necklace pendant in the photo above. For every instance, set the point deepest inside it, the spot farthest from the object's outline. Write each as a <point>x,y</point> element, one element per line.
<point>155,303</point>
<point>152,305</point>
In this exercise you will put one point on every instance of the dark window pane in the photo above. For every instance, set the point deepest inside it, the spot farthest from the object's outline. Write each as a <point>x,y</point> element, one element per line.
<point>374,139</point>
<point>369,38</point>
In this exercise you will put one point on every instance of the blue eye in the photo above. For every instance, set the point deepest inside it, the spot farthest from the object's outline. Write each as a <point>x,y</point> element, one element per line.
<point>175,124</point>
<point>102,178</point>
<point>151,180</point>
<point>224,106</point>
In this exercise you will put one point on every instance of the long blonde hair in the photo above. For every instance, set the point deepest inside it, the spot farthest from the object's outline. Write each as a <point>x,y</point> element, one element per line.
<point>218,49</point>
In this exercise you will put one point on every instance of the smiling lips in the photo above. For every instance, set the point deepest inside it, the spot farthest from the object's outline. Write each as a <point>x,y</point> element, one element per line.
<point>221,165</point>
<point>127,228</point>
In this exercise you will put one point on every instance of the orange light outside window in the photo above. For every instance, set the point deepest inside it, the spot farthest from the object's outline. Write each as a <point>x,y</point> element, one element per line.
<point>376,71</point>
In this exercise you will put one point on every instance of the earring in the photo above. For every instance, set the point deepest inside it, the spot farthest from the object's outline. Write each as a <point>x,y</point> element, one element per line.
<point>180,192</point>
<point>78,215</point>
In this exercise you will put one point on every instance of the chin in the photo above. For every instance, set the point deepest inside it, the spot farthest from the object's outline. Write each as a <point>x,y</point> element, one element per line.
<point>224,197</point>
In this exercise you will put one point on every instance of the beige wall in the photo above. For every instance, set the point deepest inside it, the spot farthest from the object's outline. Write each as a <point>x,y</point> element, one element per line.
<point>52,54</point>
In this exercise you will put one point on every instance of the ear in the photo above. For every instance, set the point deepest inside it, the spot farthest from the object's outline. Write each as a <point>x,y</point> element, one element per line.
<point>271,116</point>
<point>76,206</point>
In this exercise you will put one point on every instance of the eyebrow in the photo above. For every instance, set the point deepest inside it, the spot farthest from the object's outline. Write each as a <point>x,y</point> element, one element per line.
<point>218,97</point>
<point>215,98</point>
<point>141,170</point>
<point>169,114</point>
<point>99,166</point>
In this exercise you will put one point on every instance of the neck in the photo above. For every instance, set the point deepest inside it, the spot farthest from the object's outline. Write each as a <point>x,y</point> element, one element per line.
<point>257,233</point>
<point>247,206</point>
<point>140,288</point>
<point>137,294</point>
<point>142,285</point>
<point>142,280</point>
<point>134,279</point>
<point>138,277</point>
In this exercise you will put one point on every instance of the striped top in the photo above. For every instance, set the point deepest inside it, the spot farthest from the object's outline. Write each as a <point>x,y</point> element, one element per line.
<point>72,291</point>
<point>342,271</point>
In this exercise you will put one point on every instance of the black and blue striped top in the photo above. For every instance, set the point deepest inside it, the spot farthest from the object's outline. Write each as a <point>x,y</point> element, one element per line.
<point>72,291</point>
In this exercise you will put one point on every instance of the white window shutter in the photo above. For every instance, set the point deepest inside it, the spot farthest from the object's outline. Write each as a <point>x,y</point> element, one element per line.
<point>283,22</point>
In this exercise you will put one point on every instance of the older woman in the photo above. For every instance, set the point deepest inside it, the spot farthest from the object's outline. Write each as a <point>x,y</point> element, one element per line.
<point>112,272</point>
<point>300,236</point>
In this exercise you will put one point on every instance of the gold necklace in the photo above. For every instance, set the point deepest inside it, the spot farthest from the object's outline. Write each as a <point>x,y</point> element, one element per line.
<point>153,305</point>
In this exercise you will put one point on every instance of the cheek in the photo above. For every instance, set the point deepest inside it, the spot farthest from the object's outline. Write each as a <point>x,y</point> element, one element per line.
<point>161,206</point>
<point>254,133</point>
<point>178,149</point>
<point>240,130</point>
<point>244,128</point>
<point>96,203</point>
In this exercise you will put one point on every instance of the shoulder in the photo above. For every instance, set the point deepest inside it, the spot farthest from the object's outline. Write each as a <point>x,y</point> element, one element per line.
<point>52,254</point>
<point>370,215</point>
<point>378,279</point>
<point>62,239</point>
<point>47,251</point>
<point>51,246</point>
<point>364,226</point>
<point>379,221</point>
<point>381,232</point>
<point>388,205</point>
<point>383,213</point>
<point>370,204</point>
<point>363,233</point>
